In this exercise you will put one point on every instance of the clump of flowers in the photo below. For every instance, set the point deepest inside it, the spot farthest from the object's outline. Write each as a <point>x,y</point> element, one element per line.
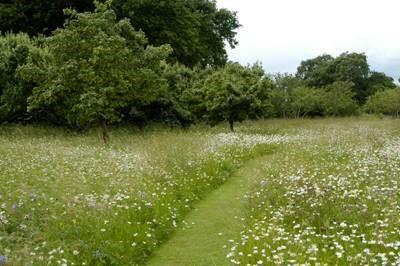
<point>330,200</point>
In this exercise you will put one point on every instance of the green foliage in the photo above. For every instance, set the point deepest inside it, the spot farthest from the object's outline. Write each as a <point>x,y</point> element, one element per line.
<point>379,81</point>
<point>15,51</point>
<point>292,99</point>
<point>385,102</point>
<point>316,72</point>
<point>37,16</point>
<point>339,99</point>
<point>196,30</point>
<point>98,66</point>
<point>236,93</point>
<point>348,67</point>
<point>170,108</point>
<point>306,101</point>
<point>354,68</point>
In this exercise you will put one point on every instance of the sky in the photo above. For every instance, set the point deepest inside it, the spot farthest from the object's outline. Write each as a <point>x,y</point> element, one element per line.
<point>282,33</point>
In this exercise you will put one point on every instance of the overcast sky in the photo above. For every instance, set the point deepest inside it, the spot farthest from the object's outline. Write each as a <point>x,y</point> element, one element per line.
<point>282,33</point>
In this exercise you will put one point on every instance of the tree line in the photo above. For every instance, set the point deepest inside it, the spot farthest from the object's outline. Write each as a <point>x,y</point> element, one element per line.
<point>162,61</point>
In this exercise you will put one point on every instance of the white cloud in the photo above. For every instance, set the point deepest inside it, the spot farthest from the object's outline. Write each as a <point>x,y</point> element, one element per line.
<point>281,33</point>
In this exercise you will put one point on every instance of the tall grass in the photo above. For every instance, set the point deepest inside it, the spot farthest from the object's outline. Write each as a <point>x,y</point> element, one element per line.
<point>66,199</point>
<point>332,198</point>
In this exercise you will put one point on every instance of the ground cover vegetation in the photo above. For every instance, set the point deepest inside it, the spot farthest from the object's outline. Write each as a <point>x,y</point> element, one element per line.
<point>322,191</point>
<point>331,198</point>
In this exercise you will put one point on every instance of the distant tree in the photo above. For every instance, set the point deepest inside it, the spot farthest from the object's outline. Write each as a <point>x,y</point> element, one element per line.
<point>99,66</point>
<point>316,72</point>
<point>37,16</point>
<point>236,93</point>
<point>196,29</point>
<point>353,67</point>
<point>379,81</point>
<point>385,102</point>
<point>306,101</point>
<point>16,50</point>
<point>339,99</point>
<point>284,84</point>
<point>347,67</point>
<point>280,100</point>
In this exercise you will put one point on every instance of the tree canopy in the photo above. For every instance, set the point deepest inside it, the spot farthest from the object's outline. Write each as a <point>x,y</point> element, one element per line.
<point>347,67</point>
<point>196,29</point>
<point>236,93</point>
<point>98,66</point>
<point>37,16</point>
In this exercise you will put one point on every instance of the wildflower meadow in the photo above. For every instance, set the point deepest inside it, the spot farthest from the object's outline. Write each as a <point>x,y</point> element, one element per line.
<point>325,192</point>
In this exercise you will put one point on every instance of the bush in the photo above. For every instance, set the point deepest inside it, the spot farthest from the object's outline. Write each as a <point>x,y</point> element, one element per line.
<point>305,101</point>
<point>339,100</point>
<point>385,102</point>
<point>15,51</point>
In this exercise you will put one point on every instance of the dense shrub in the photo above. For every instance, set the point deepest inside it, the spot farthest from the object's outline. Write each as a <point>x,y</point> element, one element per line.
<point>339,100</point>
<point>307,101</point>
<point>15,51</point>
<point>385,102</point>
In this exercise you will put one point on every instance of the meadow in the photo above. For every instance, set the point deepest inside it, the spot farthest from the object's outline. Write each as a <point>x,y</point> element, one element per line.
<point>324,192</point>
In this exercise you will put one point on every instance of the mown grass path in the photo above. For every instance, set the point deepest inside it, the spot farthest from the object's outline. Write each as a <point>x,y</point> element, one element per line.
<point>214,223</point>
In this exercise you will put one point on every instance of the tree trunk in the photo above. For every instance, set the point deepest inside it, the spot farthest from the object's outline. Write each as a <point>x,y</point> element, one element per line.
<point>104,132</point>
<point>231,125</point>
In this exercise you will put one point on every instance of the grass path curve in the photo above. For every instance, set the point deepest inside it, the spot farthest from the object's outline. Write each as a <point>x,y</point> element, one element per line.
<point>212,223</point>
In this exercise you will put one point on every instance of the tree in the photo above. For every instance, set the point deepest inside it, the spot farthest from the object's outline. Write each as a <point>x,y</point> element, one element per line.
<point>316,72</point>
<point>379,81</point>
<point>354,68</point>
<point>339,99</point>
<point>347,67</point>
<point>99,66</point>
<point>280,97</point>
<point>196,29</point>
<point>37,16</point>
<point>306,101</point>
<point>16,50</point>
<point>235,93</point>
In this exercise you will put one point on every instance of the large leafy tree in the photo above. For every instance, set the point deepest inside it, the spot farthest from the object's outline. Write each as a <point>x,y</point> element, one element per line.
<point>316,72</point>
<point>37,16</point>
<point>236,93</point>
<point>347,67</point>
<point>379,81</point>
<point>99,66</point>
<point>353,67</point>
<point>196,29</point>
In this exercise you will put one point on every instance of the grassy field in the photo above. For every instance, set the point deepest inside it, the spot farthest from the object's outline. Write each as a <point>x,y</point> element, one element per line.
<point>323,191</point>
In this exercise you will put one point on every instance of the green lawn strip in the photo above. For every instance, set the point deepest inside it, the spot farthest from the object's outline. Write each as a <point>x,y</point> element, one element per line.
<point>212,223</point>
